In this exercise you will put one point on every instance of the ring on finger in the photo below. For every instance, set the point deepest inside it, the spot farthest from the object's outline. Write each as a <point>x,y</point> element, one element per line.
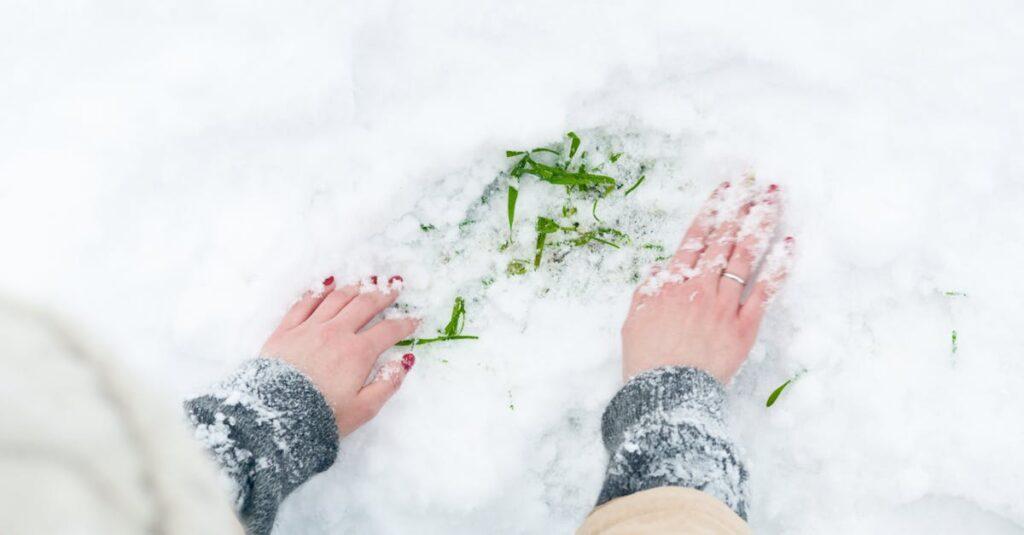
<point>734,278</point>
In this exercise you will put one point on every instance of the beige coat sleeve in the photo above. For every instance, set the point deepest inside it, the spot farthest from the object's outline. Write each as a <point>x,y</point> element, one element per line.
<point>84,449</point>
<point>664,510</point>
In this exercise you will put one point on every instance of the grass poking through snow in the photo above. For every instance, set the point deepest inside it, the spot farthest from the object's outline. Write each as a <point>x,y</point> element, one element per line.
<point>451,331</point>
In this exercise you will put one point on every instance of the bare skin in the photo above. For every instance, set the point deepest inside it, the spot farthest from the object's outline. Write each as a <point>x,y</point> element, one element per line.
<point>688,314</point>
<point>323,336</point>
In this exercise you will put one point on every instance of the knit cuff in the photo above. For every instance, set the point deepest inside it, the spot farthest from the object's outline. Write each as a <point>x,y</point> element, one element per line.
<point>661,390</point>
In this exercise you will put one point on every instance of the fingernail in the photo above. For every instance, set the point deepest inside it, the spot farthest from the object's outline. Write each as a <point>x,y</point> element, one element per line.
<point>790,240</point>
<point>726,184</point>
<point>773,187</point>
<point>373,280</point>
<point>408,360</point>
<point>395,278</point>
<point>329,281</point>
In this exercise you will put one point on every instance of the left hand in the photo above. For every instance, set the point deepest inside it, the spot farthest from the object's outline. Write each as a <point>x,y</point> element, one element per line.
<point>322,335</point>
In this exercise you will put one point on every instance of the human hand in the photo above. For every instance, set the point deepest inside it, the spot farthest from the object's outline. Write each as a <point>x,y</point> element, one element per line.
<point>321,337</point>
<point>689,313</point>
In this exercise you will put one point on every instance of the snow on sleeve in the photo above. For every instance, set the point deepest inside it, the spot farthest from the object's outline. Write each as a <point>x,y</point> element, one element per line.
<point>270,430</point>
<point>665,428</point>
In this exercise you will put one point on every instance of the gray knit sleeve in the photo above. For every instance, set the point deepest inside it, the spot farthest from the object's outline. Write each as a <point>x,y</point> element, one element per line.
<point>665,428</point>
<point>270,430</point>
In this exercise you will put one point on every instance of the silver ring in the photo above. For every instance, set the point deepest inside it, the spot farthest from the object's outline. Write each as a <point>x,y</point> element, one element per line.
<point>736,278</point>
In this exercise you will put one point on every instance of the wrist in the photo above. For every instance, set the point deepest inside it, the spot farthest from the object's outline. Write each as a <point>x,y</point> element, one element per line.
<point>661,391</point>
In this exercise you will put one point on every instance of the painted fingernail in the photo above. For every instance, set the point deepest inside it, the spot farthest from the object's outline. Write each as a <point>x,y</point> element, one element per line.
<point>790,240</point>
<point>726,184</point>
<point>773,187</point>
<point>329,281</point>
<point>395,278</point>
<point>373,280</point>
<point>408,360</point>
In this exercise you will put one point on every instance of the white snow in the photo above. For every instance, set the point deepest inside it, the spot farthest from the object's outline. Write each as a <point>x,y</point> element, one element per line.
<point>173,175</point>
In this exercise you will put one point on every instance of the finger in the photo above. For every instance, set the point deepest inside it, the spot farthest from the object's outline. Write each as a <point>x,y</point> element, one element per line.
<point>693,241</point>
<point>372,300</point>
<point>389,378</point>
<point>773,274</point>
<point>305,306</point>
<point>751,243</point>
<point>334,302</point>
<point>387,333</point>
<point>721,242</point>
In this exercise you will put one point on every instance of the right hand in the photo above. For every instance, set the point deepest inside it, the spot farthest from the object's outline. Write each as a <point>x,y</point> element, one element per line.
<point>321,337</point>
<point>688,314</point>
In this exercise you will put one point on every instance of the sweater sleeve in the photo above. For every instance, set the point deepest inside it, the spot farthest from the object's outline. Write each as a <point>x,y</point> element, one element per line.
<point>270,430</point>
<point>665,428</point>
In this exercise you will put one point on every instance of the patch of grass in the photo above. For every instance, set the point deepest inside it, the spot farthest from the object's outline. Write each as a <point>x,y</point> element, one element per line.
<point>566,164</point>
<point>953,338</point>
<point>568,169</point>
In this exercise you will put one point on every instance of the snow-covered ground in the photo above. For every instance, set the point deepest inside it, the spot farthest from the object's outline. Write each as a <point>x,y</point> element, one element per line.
<point>173,174</point>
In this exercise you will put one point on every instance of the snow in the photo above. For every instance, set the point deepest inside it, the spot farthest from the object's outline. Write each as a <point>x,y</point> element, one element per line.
<point>174,175</point>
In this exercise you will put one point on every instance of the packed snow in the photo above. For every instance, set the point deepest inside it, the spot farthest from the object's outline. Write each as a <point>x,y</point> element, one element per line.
<point>174,175</point>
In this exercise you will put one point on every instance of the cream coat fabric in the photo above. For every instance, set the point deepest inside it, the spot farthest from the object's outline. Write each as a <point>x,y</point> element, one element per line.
<point>664,510</point>
<point>83,450</point>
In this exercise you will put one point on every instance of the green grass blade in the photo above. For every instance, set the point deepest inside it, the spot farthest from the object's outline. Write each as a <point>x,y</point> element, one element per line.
<point>422,341</point>
<point>575,144</point>
<point>455,323</point>
<point>541,238</point>
<point>634,186</point>
<point>451,331</point>
<point>775,393</point>
<point>606,242</point>
<point>513,196</point>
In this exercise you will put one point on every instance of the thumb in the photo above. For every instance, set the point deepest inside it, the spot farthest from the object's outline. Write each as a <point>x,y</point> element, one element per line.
<point>373,396</point>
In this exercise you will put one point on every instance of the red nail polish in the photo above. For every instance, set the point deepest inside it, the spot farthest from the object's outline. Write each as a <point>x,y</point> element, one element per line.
<point>329,281</point>
<point>395,278</point>
<point>373,280</point>
<point>790,240</point>
<point>726,184</point>
<point>773,187</point>
<point>408,360</point>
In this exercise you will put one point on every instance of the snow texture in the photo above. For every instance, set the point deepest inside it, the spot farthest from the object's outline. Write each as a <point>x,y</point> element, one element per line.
<point>176,174</point>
